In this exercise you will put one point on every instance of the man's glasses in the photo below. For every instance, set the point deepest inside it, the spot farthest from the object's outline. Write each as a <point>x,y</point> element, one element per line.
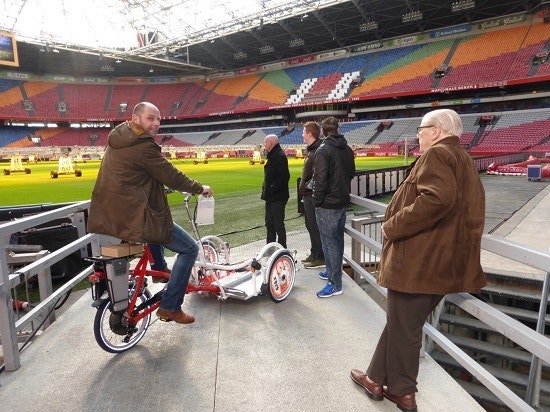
<point>419,128</point>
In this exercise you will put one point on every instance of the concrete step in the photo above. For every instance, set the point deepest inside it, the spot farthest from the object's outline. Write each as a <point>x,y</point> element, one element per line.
<point>505,375</point>
<point>490,349</point>
<point>465,322</point>
<point>521,314</point>
<point>512,292</point>
<point>485,396</point>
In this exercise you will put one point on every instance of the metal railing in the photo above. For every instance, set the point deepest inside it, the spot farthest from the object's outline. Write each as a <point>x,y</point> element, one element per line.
<point>39,266</point>
<point>534,341</point>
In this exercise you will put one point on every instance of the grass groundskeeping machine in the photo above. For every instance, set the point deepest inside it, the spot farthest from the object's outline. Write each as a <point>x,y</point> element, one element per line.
<point>65,167</point>
<point>201,158</point>
<point>16,166</point>
<point>257,158</point>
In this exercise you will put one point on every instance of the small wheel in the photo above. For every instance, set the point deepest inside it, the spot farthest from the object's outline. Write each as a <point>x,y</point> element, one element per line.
<point>27,171</point>
<point>251,162</point>
<point>78,172</point>
<point>6,171</point>
<point>53,174</point>
<point>112,331</point>
<point>281,276</point>
<point>210,252</point>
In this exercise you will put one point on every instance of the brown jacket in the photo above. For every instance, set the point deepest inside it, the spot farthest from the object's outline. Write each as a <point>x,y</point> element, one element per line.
<point>128,200</point>
<point>434,225</point>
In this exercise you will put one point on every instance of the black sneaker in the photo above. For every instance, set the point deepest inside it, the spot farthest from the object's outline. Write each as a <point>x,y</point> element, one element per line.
<point>315,263</point>
<point>307,259</point>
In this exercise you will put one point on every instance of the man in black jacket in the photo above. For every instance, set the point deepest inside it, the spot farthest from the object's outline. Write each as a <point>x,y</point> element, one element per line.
<point>333,169</point>
<point>275,190</point>
<point>311,138</point>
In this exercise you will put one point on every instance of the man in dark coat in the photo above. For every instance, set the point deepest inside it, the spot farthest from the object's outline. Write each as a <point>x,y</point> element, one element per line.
<point>311,136</point>
<point>275,190</point>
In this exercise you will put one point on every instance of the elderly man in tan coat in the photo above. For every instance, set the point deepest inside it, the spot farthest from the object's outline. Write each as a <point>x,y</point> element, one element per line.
<point>432,242</point>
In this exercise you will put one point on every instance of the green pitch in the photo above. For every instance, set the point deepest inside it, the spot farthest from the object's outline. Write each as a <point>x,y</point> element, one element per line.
<point>236,185</point>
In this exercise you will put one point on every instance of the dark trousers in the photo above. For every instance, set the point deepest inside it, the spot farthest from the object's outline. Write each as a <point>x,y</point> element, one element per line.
<point>312,228</point>
<point>396,360</point>
<point>275,222</point>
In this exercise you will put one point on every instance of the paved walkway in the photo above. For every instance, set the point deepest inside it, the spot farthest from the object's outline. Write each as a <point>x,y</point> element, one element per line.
<point>241,356</point>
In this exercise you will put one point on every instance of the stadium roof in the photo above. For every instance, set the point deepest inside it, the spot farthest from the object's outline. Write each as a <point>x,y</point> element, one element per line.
<point>122,38</point>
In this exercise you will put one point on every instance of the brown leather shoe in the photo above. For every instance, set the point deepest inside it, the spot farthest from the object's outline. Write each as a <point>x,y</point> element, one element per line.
<point>160,279</point>
<point>406,403</point>
<point>177,316</point>
<point>372,389</point>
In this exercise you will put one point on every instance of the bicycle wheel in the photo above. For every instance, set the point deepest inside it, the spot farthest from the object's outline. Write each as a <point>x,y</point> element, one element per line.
<point>281,275</point>
<point>112,331</point>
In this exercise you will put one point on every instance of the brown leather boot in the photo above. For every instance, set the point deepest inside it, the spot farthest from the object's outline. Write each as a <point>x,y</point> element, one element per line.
<point>372,389</point>
<point>406,403</point>
<point>160,279</point>
<point>177,316</point>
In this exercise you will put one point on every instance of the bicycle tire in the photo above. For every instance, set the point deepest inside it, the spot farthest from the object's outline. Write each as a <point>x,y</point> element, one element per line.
<point>112,333</point>
<point>281,276</point>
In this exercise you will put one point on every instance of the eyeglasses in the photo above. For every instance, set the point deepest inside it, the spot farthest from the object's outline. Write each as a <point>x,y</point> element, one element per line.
<point>419,128</point>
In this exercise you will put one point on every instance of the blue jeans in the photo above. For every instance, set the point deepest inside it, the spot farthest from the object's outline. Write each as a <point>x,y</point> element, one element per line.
<point>187,249</point>
<point>157,252</point>
<point>331,224</point>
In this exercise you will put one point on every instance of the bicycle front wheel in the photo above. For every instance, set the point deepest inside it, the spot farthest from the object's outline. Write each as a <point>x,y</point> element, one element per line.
<point>112,330</point>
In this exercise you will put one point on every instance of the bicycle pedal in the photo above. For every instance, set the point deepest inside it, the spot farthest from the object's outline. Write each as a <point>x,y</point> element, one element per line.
<point>164,319</point>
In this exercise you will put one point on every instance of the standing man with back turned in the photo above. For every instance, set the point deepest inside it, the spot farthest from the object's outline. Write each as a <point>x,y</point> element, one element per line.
<point>432,241</point>
<point>275,190</point>
<point>311,138</point>
<point>129,201</point>
<point>333,169</point>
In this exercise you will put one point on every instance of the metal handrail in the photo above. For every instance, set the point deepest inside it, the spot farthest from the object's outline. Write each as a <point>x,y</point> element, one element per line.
<point>8,325</point>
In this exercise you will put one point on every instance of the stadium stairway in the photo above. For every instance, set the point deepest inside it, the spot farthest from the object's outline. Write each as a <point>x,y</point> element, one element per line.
<point>243,355</point>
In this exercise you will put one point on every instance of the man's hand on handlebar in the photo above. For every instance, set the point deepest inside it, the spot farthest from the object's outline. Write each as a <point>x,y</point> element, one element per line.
<point>206,191</point>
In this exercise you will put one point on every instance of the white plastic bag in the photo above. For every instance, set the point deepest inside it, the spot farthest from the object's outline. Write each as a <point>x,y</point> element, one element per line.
<point>205,211</point>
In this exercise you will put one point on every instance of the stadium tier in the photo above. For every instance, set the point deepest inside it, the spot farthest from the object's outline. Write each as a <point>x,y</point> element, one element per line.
<point>506,55</point>
<point>472,61</point>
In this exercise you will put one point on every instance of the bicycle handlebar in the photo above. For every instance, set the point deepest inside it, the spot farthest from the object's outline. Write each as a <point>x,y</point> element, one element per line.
<point>186,195</point>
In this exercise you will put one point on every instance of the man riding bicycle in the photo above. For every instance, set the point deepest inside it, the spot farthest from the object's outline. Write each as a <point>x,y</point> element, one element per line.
<point>129,201</point>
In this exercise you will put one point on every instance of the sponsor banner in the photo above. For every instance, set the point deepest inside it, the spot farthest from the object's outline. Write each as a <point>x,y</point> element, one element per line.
<point>469,87</point>
<point>95,80</point>
<point>453,31</point>
<point>62,79</point>
<point>300,60</point>
<point>273,66</point>
<point>224,75</point>
<point>15,75</point>
<point>197,78</point>
<point>163,79</point>
<point>329,55</point>
<point>366,47</point>
<point>248,70</point>
<point>404,41</point>
<point>502,21</point>
<point>129,80</point>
